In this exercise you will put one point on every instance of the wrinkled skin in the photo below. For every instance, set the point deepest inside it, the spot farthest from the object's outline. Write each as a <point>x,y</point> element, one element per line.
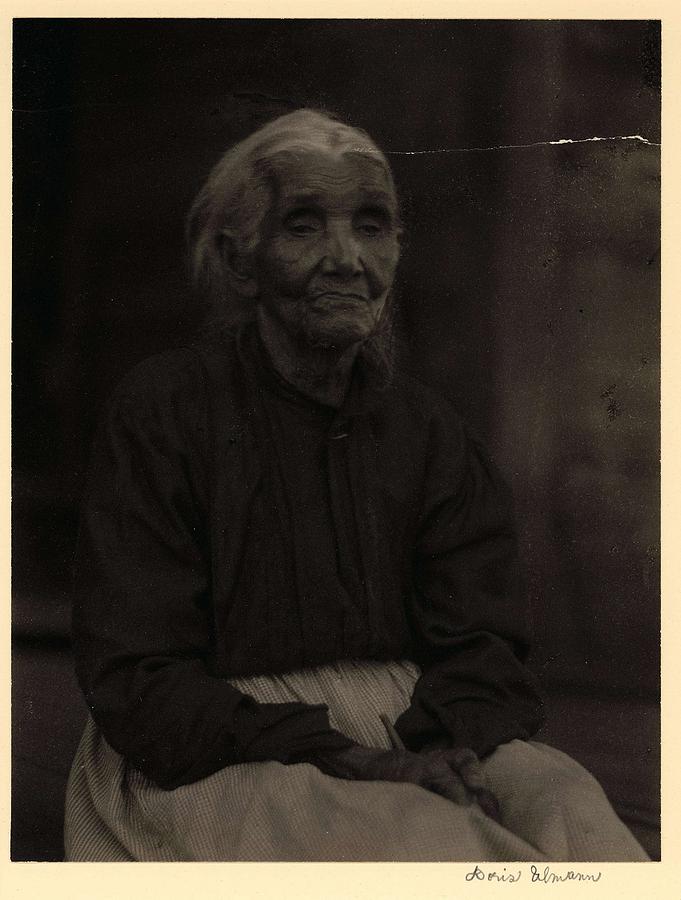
<point>455,774</point>
<point>327,259</point>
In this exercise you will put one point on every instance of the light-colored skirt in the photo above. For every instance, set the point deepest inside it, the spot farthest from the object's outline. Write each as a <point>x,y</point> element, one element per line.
<point>552,809</point>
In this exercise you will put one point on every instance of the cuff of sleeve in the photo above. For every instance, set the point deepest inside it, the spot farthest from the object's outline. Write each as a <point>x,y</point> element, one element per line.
<point>482,727</point>
<point>288,733</point>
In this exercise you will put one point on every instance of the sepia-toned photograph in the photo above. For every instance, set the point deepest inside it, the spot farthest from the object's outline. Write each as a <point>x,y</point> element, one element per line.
<point>336,441</point>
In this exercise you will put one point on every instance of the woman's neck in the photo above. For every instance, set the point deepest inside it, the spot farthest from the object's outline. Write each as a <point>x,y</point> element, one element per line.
<point>321,373</point>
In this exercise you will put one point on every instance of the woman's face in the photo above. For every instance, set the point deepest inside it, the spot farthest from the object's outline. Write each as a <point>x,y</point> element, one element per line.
<point>329,248</point>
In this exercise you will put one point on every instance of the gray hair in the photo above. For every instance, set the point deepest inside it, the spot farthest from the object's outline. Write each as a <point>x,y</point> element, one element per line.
<point>235,199</point>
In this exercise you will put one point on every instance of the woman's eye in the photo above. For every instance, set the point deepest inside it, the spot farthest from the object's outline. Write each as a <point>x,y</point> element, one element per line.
<point>302,225</point>
<point>302,228</point>
<point>370,228</point>
<point>372,223</point>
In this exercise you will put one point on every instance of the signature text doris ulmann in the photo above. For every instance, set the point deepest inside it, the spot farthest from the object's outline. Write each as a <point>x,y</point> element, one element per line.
<point>536,876</point>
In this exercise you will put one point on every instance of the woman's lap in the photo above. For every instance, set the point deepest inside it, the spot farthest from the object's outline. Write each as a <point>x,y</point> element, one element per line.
<point>552,809</point>
<point>554,804</point>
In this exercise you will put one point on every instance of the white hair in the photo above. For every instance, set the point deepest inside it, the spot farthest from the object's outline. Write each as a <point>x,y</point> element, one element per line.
<point>235,199</point>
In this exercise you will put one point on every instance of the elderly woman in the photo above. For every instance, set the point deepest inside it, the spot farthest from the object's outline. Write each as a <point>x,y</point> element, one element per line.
<point>299,625</point>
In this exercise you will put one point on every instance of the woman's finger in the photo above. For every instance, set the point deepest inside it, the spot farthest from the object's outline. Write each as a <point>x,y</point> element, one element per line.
<point>460,757</point>
<point>450,786</point>
<point>467,765</point>
<point>489,804</point>
<point>472,775</point>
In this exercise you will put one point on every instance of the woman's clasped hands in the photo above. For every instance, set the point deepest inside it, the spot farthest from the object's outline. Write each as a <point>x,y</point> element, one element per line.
<point>454,773</point>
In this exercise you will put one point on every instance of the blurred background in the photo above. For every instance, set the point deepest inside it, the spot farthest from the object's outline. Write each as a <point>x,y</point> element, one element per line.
<point>528,292</point>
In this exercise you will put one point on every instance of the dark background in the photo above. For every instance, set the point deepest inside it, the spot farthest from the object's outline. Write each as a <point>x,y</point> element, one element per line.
<point>528,291</point>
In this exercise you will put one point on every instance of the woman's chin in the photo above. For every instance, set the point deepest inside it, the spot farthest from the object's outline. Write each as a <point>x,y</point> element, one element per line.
<point>339,331</point>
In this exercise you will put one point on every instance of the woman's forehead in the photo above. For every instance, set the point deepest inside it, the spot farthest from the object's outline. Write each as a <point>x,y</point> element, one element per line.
<point>327,175</point>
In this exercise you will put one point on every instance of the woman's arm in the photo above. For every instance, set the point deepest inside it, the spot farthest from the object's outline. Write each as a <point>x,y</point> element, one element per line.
<point>467,610</point>
<point>142,612</point>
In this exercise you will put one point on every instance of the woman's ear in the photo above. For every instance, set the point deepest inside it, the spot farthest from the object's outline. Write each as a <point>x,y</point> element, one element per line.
<point>237,268</point>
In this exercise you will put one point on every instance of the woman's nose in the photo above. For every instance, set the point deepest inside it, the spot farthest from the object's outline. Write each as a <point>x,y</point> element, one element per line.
<point>343,254</point>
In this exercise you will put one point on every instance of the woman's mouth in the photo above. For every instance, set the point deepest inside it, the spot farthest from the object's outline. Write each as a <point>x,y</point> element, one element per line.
<point>338,297</point>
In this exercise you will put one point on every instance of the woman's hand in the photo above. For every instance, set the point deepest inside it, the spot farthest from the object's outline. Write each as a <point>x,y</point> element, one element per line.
<point>471,773</point>
<point>454,774</point>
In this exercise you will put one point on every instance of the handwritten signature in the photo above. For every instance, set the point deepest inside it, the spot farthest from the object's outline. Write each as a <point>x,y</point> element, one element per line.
<point>545,876</point>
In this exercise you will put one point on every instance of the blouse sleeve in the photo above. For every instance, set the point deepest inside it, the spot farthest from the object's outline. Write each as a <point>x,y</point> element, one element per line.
<point>467,610</point>
<point>142,616</point>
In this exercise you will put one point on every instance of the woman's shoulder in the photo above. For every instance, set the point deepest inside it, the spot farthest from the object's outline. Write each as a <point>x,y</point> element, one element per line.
<point>422,402</point>
<point>178,377</point>
<point>424,414</point>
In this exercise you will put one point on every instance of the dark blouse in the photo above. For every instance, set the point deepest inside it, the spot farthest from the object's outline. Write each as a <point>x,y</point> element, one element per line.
<point>232,527</point>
